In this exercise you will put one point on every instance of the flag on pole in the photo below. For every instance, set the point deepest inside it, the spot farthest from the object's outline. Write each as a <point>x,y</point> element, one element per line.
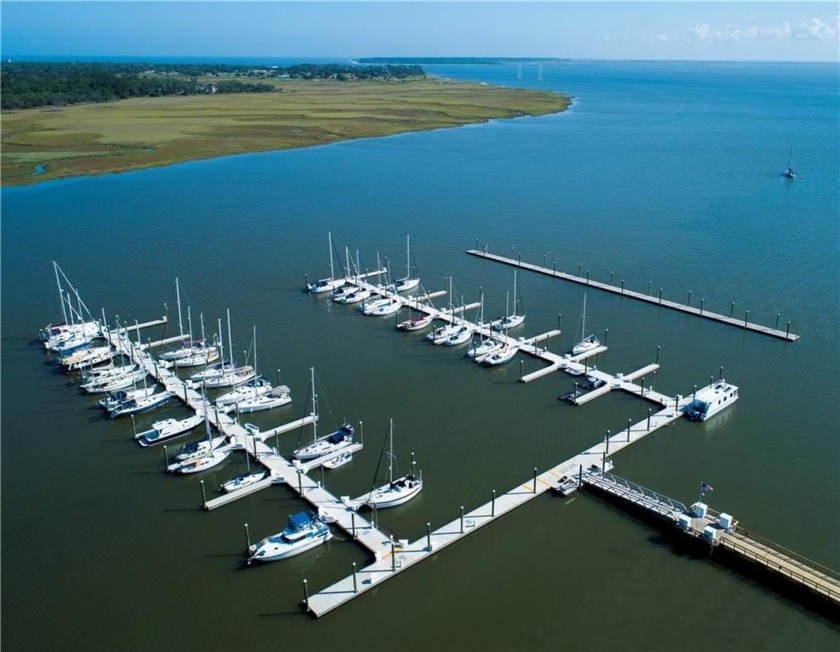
<point>705,487</point>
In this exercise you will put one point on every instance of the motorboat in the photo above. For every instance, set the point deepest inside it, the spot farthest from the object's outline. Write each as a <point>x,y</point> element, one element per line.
<point>168,429</point>
<point>710,400</point>
<point>303,532</point>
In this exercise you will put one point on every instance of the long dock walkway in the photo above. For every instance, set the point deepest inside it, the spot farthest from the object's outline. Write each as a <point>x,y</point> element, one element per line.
<point>401,555</point>
<point>646,298</point>
<point>720,530</point>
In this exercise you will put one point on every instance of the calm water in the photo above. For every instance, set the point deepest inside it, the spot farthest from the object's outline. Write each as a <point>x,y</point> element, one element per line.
<point>664,175</point>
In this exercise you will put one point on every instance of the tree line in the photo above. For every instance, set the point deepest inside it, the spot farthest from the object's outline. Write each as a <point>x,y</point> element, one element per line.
<point>25,85</point>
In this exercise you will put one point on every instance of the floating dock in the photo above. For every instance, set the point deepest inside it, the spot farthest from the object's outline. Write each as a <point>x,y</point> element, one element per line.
<point>391,556</point>
<point>646,298</point>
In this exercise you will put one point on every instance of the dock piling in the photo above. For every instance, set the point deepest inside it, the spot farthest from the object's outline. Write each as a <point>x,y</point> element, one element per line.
<point>746,318</point>
<point>628,429</point>
<point>393,557</point>
<point>648,421</point>
<point>429,537</point>
<point>688,303</point>
<point>462,519</point>
<point>247,538</point>
<point>203,492</point>
<point>133,428</point>
<point>306,593</point>
<point>493,505</point>
<point>607,443</point>
<point>701,305</point>
<point>353,525</point>
<point>165,457</point>
<point>355,586</point>
<point>535,479</point>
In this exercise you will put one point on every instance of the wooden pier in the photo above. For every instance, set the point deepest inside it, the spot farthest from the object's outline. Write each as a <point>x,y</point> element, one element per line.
<point>710,526</point>
<point>646,298</point>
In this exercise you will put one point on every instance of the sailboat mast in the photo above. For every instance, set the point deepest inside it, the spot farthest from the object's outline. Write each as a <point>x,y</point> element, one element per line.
<point>407,256</point>
<point>60,291</point>
<point>391,454</point>
<point>514,291</point>
<point>221,343</point>
<point>329,239</point>
<point>314,406</point>
<point>583,318</point>
<point>178,301</point>
<point>255,361</point>
<point>230,342</point>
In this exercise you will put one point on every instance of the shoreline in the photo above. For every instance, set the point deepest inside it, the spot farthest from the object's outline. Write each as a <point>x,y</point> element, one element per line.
<point>52,143</point>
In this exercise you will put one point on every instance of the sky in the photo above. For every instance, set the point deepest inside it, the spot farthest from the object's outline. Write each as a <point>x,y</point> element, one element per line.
<point>717,30</point>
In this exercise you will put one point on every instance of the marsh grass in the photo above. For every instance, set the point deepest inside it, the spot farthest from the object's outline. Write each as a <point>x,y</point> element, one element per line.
<point>140,133</point>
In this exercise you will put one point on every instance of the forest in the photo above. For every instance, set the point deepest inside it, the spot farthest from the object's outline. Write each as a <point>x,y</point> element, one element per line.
<point>25,85</point>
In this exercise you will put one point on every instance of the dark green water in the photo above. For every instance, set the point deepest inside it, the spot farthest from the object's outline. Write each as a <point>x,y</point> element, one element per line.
<point>668,174</point>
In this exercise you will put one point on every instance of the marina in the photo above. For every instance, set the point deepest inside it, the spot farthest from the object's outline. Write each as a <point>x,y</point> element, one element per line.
<point>605,184</point>
<point>590,467</point>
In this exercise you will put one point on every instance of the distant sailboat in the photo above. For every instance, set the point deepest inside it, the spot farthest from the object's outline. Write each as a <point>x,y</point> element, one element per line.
<point>789,171</point>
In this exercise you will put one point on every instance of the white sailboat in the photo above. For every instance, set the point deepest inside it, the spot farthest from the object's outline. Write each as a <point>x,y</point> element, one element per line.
<point>76,332</point>
<point>588,342</point>
<point>320,446</point>
<point>260,398</point>
<point>226,373</point>
<point>407,282</point>
<point>510,320</point>
<point>395,492</point>
<point>502,355</point>
<point>202,455</point>
<point>327,284</point>
<point>486,345</point>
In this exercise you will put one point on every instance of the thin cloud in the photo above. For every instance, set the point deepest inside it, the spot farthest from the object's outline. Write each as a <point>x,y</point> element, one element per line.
<point>811,29</point>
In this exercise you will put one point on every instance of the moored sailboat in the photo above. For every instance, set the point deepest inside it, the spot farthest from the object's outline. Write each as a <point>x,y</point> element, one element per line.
<point>588,342</point>
<point>395,492</point>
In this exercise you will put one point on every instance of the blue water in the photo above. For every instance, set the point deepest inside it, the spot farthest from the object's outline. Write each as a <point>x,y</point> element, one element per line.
<point>664,175</point>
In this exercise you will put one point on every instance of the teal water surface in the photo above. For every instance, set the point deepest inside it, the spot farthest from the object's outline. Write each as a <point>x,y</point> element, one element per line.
<point>663,175</point>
